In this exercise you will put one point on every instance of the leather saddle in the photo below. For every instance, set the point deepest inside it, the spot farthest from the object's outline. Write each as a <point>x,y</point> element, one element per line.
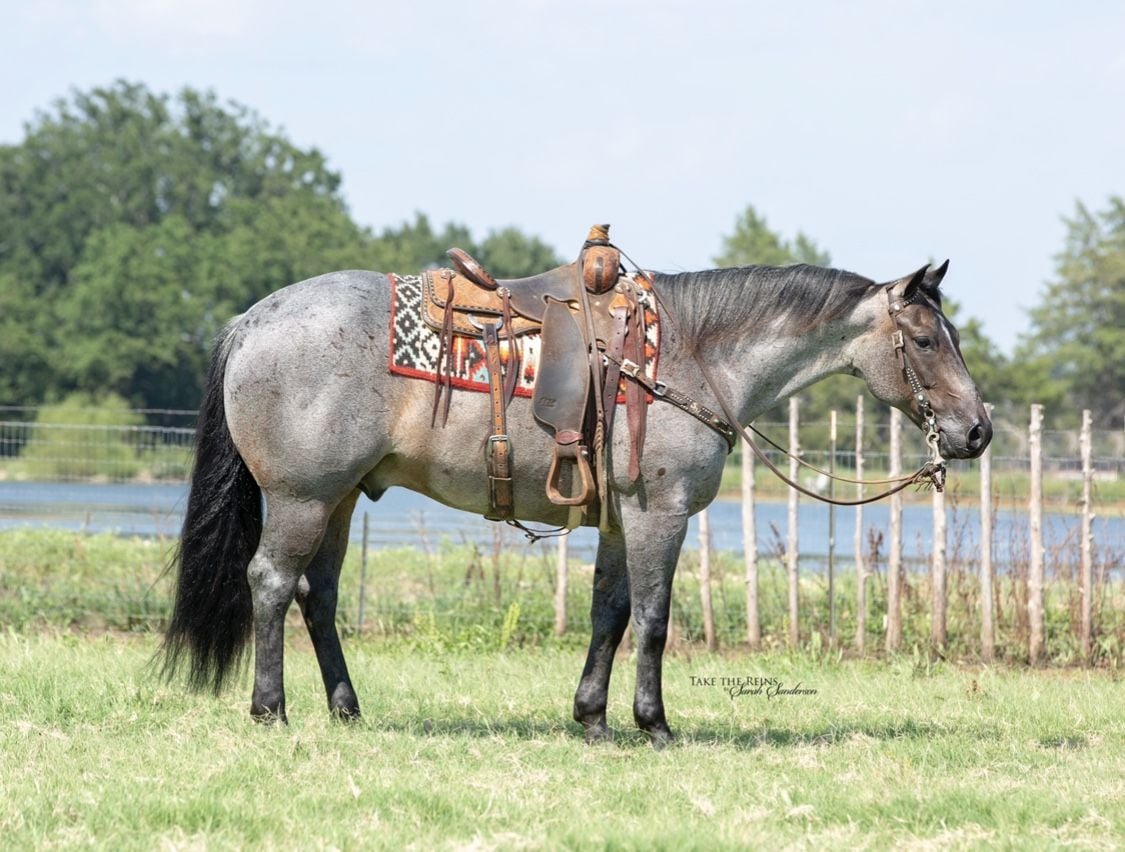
<point>581,310</point>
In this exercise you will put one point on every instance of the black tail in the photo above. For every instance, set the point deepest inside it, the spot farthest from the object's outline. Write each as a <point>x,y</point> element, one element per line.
<point>213,614</point>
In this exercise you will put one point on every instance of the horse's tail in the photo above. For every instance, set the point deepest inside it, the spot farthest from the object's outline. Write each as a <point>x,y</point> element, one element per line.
<point>213,613</point>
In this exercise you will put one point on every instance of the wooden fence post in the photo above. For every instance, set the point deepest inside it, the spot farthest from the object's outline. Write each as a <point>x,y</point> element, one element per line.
<point>750,549</point>
<point>831,529</point>
<point>894,554</point>
<point>791,547</point>
<point>362,579</point>
<point>1035,525</point>
<point>705,581</point>
<point>938,574</point>
<point>987,628</point>
<point>860,564</point>
<point>1087,591</point>
<point>562,580</point>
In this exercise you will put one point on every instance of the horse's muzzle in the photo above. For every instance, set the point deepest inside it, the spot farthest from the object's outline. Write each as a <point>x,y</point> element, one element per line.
<point>969,444</point>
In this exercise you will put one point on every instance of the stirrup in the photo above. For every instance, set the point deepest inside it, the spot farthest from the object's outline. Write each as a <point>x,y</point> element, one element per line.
<point>574,453</point>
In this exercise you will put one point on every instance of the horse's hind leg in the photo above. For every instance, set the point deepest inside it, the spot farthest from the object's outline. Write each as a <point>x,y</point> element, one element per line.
<point>609,614</point>
<point>291,537</point>
<point>316,595</point>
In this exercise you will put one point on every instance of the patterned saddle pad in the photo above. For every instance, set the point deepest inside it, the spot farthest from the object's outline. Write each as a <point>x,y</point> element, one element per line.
<point>415,346</point>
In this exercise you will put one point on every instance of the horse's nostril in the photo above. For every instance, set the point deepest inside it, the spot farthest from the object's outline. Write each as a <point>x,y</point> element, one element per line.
<point>976,436</point>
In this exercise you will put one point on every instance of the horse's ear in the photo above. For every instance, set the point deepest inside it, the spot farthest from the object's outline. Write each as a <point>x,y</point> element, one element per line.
<point>903,289</point>
<point>934,276</point>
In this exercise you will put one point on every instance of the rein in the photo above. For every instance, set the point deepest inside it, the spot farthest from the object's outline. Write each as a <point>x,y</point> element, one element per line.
<point>930,474</point>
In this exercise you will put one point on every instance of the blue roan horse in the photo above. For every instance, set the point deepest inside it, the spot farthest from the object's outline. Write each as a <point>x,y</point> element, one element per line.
<point>300,409</point>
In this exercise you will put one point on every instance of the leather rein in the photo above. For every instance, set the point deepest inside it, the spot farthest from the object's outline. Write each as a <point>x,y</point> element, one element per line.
<point>930,474</point>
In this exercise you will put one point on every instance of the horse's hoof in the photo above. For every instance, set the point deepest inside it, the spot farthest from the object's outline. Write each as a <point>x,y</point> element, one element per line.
<point>266,716</point>
<point>598,734</point>
<point>661,739</point>
<point>345,714</point>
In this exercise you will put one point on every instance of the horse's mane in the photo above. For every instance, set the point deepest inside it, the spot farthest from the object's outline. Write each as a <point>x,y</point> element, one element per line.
<point>720,302</point>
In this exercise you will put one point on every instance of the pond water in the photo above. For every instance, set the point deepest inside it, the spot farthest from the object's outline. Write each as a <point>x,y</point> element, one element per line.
<point>403,518</point>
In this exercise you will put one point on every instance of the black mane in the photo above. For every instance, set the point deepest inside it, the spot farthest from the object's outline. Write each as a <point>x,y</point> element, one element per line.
<point>716,302</point>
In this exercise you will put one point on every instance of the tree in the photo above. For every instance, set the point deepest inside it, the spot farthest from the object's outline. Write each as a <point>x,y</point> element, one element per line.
<point>135,223</point>
<point>752,242</point>
<point>67,443</point>
<point>1074,355</point>
<point>124,155</point>
<point>414,246</point>
<point>509,253</point>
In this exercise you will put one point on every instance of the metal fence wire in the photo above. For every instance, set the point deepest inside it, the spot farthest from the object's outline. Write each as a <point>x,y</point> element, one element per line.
<point>90,474</point>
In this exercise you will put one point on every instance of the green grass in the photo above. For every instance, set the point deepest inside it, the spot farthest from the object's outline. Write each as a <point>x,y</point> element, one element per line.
<point>467,742</point>
<point>456,597</point>
<point>475,750</point>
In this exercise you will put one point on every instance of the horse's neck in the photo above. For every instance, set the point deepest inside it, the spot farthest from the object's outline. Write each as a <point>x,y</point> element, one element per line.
<point>771,364</point>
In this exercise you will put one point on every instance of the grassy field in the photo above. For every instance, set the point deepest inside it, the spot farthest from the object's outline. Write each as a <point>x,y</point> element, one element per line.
<point>476,751</point>
<point>467,743</point>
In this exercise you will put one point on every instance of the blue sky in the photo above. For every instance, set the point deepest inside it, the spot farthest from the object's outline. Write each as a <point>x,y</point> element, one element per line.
<point>890,132</point>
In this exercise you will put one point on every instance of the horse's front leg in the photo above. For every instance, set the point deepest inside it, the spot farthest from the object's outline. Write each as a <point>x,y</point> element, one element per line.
<point>290,537</point>
<point>609,614</point>
<point>653,548</point>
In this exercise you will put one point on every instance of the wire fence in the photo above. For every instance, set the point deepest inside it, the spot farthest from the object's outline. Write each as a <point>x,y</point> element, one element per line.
<point>88,476</point>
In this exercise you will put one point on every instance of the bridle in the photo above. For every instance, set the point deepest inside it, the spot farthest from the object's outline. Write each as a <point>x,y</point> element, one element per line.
<point>929,419</point>
<point>930,475</point>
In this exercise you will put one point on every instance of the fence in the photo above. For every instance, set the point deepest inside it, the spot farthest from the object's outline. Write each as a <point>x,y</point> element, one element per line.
<point>1095,589</point>
<point>915,573</point>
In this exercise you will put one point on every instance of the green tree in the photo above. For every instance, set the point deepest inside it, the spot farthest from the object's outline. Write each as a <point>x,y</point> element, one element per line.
<point>752,242</point>
<point>124,155</point>
<point>1074,355</point>
<point>81,437</point>
<point>506,253</point>
<point>414,246</point>
<point>135,223</point>
<point>509,253</point>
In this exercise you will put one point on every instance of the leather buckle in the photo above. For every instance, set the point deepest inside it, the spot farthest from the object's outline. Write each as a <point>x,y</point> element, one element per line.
<point>630,368</point>
<point>495,441</point>
<point>498,460</point>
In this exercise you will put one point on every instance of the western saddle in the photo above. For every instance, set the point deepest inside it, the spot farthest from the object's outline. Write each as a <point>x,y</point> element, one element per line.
<point>590,316</point>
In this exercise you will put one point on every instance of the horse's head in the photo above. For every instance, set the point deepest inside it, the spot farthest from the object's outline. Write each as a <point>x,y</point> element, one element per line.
<point>912,360</point>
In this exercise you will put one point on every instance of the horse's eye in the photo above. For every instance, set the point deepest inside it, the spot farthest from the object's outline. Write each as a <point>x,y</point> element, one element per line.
<point>923,343</point>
